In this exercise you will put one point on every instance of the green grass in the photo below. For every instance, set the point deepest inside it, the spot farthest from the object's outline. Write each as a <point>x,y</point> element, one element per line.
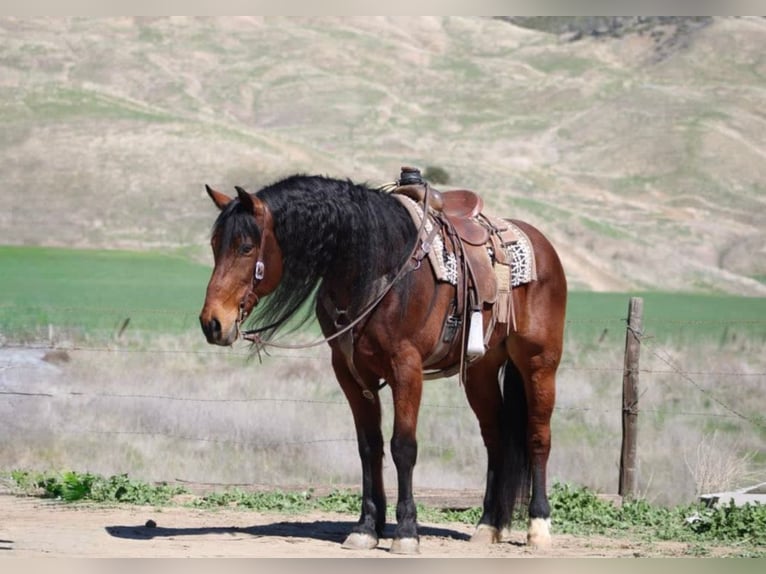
<point>579,511</point>
<point>554,63</point>
<point>677,317</point>
<point>603,228</point>
<point>57,104</point>
<point>662,307</point>
<point>70,486</point>
<point>92,291</point>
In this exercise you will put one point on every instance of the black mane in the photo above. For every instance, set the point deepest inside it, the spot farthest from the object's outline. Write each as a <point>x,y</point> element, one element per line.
<point>328,228</point>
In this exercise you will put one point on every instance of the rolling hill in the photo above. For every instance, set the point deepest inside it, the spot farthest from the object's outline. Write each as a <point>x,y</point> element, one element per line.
<point>641,154</point>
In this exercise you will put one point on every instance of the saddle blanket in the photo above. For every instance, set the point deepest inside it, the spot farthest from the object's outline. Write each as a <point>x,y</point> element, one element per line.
<point>509,250</point>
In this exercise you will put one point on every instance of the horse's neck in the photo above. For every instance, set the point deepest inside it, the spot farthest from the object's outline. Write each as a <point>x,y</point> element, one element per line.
<point>341,279</point>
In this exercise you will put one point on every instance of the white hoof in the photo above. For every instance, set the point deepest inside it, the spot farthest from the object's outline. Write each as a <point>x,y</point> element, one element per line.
<point>405,546</point>
<point>359,541</point>
<point>485,534</point>
<point>539,533</point>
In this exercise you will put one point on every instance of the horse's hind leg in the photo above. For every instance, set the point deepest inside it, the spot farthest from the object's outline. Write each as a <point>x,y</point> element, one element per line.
<point>486,401</point>
<point>537,369</point>
<point>367,416</point>
<point>515,427</point>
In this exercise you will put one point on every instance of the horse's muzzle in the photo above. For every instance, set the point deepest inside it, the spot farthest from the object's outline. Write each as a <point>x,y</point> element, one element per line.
<point>214,332</point>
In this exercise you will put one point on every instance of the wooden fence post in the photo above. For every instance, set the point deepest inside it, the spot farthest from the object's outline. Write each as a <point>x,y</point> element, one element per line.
<point>627,488</point>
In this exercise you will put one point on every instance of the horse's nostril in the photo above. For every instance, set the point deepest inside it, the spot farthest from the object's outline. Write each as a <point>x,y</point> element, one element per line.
<point>211,328</point>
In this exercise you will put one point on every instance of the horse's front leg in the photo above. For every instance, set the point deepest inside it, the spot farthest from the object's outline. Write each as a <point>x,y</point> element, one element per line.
<point>406,387</point>
<point>367,414</point>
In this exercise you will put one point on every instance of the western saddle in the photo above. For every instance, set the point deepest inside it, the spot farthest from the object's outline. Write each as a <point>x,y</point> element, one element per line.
<point>460,206</point>
<point>479,243</point>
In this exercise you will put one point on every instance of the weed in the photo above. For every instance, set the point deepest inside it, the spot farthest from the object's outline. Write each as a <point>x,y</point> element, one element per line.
<point>273,501</point>
<point>579,511</point>
<point>71,486</point>
<point>68,485</point>
<point>697,550</point>
<point>730,523</point>
<point>340,501</point>
<point>463,515</point>
<point>119,488</point>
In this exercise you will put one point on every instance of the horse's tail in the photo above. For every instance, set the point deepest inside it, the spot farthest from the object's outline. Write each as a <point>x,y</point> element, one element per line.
<point>515,475</point>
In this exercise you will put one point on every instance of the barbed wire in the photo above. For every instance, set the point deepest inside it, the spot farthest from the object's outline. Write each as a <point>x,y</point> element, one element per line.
<point>339,402</point>
<point>106,349</point>
<point>274,444</point>
<point>224,441</point>
<point>655,350</point>
<point>70,394</point>
<point>123,312</point>
<point>658,353</point>
<point>325,357</point>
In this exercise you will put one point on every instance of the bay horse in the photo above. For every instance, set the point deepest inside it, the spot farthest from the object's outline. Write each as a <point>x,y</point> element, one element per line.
<point>356,254</point>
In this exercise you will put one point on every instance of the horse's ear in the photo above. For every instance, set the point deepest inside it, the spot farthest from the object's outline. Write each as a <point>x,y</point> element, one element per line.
<point>249,202</point>
<point>221,200</point>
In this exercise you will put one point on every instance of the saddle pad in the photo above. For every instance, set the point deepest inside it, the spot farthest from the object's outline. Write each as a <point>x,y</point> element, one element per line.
<point>514,265</point>
<point>522,258</point>
<point>443,263</point>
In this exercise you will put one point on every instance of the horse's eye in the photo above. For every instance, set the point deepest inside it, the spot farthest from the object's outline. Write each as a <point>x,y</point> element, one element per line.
<point>246,249</point>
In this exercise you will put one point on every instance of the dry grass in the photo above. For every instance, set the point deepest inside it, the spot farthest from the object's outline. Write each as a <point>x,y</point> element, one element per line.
<point>175,409</point>
<point>717,466</point>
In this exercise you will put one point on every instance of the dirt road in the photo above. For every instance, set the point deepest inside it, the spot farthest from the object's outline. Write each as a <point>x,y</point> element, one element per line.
<point>33,527</point>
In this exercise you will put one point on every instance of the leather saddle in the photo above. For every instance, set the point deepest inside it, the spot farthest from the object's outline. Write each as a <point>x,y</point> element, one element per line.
<point>460,207</point>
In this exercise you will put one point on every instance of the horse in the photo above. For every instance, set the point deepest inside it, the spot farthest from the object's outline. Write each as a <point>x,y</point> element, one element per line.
<point>352,255</point>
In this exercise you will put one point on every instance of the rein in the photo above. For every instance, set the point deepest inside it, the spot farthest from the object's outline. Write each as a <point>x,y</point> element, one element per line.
<point>252,335</point>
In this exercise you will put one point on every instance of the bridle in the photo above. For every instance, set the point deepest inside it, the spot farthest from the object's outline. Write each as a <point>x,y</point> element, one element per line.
<point>246,304</point>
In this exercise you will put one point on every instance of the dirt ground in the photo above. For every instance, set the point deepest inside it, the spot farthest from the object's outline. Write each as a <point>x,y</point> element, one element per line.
<point>33,527</point>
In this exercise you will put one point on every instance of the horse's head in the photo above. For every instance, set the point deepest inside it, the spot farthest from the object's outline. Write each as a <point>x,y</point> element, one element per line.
<point>248,264</point>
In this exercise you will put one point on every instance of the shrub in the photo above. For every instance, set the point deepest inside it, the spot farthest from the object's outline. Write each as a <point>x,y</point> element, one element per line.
<point>436,175</point>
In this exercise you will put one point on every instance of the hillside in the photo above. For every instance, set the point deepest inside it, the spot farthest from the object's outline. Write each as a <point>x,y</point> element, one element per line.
<point>641,154</point>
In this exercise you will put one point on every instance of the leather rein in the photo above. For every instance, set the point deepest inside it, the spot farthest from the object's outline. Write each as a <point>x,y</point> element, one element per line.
<point>259,271</point>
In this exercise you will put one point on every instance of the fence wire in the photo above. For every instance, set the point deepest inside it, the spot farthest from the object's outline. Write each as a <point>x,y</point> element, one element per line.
<point>656,351</point>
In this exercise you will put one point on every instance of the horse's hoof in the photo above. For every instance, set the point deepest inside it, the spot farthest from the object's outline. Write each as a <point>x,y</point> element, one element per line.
<point>485,534</point>
<point>360,541</point>
<point>405,546</point>
<point>539,533</point>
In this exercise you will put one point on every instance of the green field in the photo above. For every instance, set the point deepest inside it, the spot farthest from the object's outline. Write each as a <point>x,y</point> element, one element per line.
<point>674,317</point>
<point>92,292</point>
